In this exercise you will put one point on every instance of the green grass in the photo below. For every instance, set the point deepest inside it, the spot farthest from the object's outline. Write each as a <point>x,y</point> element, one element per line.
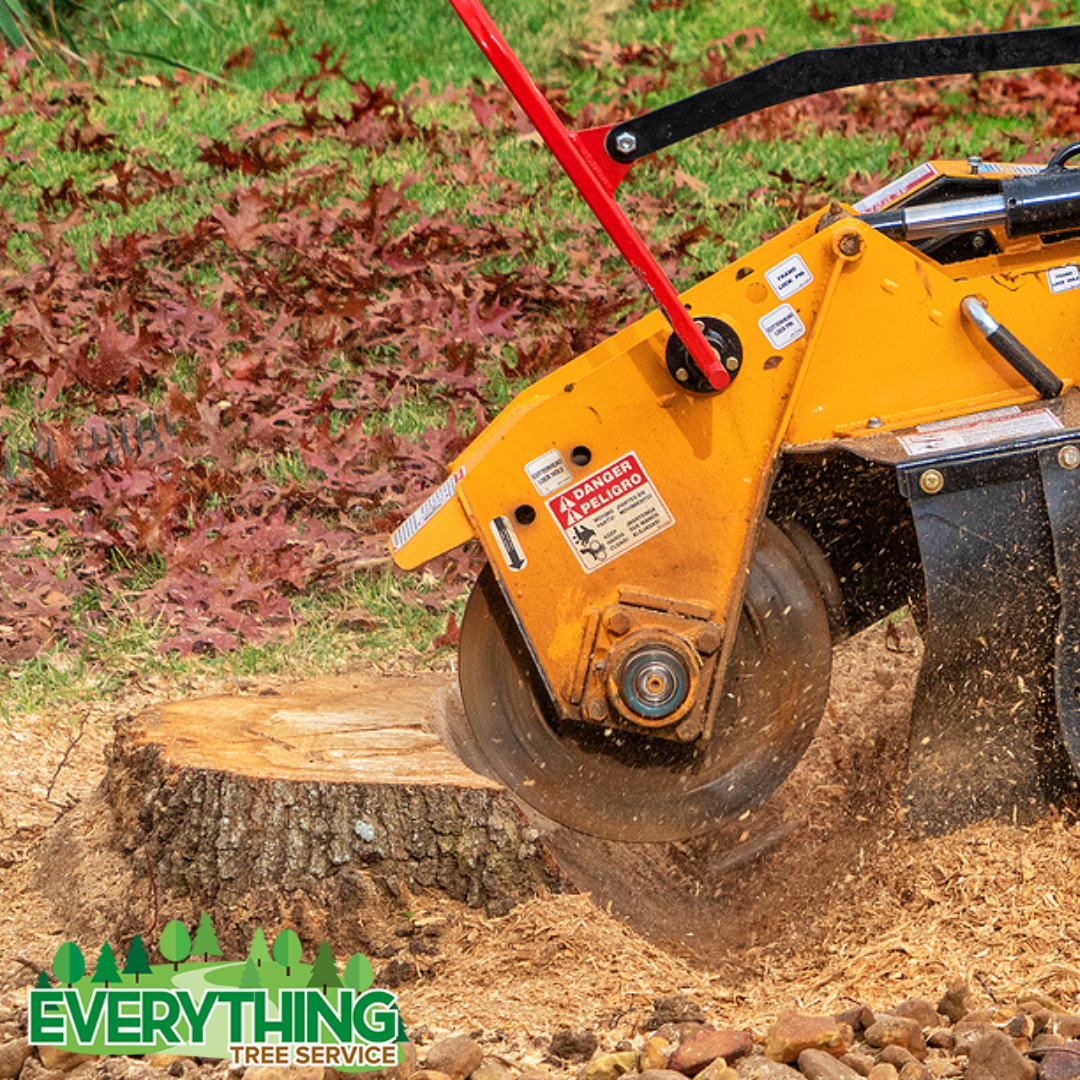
<point>163,123</point>
<point>122,653</point>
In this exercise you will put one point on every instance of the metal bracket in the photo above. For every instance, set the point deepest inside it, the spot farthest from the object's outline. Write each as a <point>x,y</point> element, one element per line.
<point>819,70</point>
<point>998,531</point>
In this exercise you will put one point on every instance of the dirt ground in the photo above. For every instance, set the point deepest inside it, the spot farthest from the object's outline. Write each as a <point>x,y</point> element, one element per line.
<point>823,901</point>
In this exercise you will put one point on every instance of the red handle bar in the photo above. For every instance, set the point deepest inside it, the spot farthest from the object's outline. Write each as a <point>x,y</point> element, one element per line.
<point>596,175</point>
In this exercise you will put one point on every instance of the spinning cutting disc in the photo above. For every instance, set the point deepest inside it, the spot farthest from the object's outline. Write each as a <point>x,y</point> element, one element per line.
<point>619,785</point>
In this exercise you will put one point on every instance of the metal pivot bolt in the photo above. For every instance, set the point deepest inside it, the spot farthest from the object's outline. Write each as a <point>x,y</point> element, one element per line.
<point>626,142</point>
<point>931,481</point>
<point>1069,457</point>
<point>595,709</point>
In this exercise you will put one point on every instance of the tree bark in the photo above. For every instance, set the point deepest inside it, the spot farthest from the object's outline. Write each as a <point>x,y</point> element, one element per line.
<point>327,793</point>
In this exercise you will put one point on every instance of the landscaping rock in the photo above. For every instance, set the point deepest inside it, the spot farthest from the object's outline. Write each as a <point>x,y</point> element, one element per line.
<point>1060,1062</point>
<point>609,1066</point>
<point>897,1031</point>
<point>919,1010</point>
<point>457,1057</point>
<point>12,1056</point>
<point>763,1068</point>
<point>994,1057</point>
<point>706,1046</point>
<point>819,1065</point>
<point>793,1033</point>
<point>955,1003</point>
<point>655,1053</point>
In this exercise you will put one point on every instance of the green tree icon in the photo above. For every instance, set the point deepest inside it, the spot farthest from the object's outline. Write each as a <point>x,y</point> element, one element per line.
<point>206,941</point>
<point>68,963</point>
<point>43,981</point>
<point>250,979</point>
<point>359,974</point>
<point>324,973</point>
<point>138,963</point>
<point>175,943</point>
<point>106,970</point>
<point>259,950</point>
<point>288,950</point>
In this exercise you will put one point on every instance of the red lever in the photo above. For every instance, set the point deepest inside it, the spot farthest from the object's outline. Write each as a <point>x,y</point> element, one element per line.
<point>596,175</point>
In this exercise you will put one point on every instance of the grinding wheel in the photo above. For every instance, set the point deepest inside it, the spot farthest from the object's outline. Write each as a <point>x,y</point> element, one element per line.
<point>620,785</point>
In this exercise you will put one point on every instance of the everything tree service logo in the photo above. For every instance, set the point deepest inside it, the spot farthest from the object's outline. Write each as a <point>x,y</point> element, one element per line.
<point>270,1009</point>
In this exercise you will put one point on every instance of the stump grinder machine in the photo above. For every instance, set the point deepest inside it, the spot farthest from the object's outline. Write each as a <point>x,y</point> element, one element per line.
<point>878,407</point>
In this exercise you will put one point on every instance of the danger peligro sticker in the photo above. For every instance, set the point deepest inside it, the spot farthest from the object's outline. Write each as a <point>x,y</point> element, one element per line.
<point>606,514</point>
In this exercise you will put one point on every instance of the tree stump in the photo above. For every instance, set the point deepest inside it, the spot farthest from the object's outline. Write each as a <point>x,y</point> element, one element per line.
<point>318,797</point>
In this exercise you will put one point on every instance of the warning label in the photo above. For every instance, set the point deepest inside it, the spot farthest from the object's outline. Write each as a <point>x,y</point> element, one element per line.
<point>789,276</point>
<point>782,326</point>
<point>978,430</point>
<point>425,511</point>
<point>549,472</point>
<point>610,512</point>
<point>1063,278</point>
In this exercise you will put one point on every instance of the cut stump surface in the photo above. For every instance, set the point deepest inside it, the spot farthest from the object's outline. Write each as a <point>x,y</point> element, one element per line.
<point>319,797</point>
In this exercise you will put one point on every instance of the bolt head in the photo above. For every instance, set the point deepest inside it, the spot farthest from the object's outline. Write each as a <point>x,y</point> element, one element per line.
<point>931,481</point>
<point>1069,457</point>
<point>708,639</point>
<point>626,142</point>
<point>595,709</point>
<point>850,244</point>
<point>618,623</point>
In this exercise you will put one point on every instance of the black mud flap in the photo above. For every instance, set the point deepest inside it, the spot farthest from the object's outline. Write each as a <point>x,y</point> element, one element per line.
<point>996,717</point>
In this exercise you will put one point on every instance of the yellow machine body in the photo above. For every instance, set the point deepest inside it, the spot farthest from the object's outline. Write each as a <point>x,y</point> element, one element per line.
<point>611,501</point>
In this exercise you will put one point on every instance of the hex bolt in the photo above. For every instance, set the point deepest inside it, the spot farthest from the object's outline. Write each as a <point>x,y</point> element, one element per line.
<point>626,142</point>
<point>595,709</point>
<point>875,422</point>
<point>731,363</point>
<point>931,481</point>
<point>708,639</point>
<point>617,623</point>
<point>682,374</point>
<point>1069,457</point>
<point>850,244</point>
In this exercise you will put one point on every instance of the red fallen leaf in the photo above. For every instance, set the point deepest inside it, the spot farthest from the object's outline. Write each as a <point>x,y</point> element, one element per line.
<point>358,618</point>
<point>879,14</point>
<point>450,638</point>
<point>742,39</point>
<point>112,356</point>
<point>243,230</point>
<point>242,59</point>
<point>821,14</point>
<point>281,32</point>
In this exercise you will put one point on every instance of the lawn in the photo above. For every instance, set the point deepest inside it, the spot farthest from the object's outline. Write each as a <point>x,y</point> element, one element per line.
<point>268,267</point>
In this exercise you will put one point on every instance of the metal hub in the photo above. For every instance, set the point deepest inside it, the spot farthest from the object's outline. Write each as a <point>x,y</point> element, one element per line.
<point>653,678</point>
<point>628,785</point>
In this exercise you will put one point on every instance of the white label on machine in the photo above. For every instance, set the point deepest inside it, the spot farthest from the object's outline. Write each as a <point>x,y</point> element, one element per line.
<point>789,276</point>
<point>610,512</point>
<point>1063,278</point>
<point>979,430</point>
<point>425,511</point>
<point>549,472</point>
<point>782,326</point>
<point>507,541</point>
<point>891,192</point>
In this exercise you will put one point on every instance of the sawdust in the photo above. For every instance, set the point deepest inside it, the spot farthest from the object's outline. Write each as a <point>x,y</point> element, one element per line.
<point>889,916</point>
